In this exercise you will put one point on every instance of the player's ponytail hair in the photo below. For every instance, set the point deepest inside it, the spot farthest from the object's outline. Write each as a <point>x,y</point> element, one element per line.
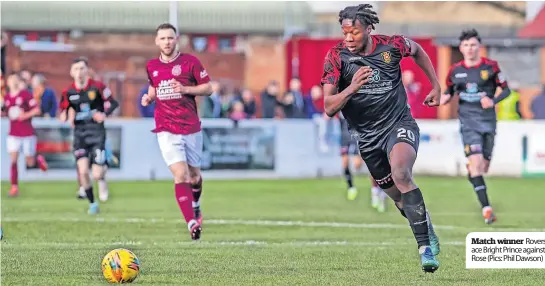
<point>363,12</point>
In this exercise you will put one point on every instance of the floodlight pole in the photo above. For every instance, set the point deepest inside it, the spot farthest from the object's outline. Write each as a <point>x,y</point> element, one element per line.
<point>173,14</point>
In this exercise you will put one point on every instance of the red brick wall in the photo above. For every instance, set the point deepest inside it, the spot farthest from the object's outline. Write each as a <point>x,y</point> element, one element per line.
<point>121,53</point>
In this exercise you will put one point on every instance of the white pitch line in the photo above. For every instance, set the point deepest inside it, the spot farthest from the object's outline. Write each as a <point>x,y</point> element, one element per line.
<point>264,223</point>
<point>7,244</point>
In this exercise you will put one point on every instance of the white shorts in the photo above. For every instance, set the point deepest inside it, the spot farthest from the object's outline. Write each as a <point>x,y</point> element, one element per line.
<point>27,144</point>
<point>181,148</point>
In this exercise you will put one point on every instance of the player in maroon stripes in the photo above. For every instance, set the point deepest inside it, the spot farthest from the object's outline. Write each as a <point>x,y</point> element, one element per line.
<point>175,79</point>
<point>20,106</point>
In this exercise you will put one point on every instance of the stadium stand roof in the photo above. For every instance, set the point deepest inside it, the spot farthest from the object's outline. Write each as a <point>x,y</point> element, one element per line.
<point>194,17</point>
<point>536,28</point>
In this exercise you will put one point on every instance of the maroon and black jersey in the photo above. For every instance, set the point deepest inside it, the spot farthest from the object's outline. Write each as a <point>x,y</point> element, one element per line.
<point>472,84</point>
<point>86,102</point>
<point>382,102</point>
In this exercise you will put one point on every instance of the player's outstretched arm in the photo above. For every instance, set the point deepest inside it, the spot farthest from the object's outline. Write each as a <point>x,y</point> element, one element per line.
<point>333,101</point>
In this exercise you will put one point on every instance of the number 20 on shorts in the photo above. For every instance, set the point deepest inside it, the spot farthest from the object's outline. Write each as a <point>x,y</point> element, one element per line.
<point>406,133</point>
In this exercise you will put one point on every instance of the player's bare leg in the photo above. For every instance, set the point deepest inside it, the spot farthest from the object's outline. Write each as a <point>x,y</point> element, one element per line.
<point>103,193</point>
<point>184,197</point>
<point>478,166</point>
<point>99,171</point>
<point>358,162</point>
<point>352,192</point>
<point>195,178</point>
<point>14,174</point>
<point>81,190</point>
<point>85,180</point>
<point>486,166</point>
<point>402,158</point>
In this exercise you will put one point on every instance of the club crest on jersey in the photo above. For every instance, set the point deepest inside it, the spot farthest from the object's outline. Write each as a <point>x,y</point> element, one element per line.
<point>177,70</point>
<point>484,75</point>
<point>386,57</point>
<point>91,94</point>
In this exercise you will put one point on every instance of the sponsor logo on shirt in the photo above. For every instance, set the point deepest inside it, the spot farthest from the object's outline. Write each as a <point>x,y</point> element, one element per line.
<point>472,93</point>
<point>85,112</point>
<point>376,85</point>
<point>166,92</point>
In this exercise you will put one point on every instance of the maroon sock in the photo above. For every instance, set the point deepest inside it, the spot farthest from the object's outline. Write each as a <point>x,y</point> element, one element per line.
<point>183,197</point>
<point>14,174</point>
<point>197,190</point>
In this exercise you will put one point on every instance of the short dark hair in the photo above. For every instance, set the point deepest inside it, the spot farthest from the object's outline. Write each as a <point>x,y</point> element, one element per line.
<point>81,59</point>
<point>468,34</point>
<point>165,26</point>
<point>363,12</point>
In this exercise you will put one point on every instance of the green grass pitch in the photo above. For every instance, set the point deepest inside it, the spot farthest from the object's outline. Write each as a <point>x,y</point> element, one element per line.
<point>259,232</point>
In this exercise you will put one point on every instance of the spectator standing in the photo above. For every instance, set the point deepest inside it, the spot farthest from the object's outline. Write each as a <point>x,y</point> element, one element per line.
<point>248,100</point>
<point>293,101</point>
<point>414,93</point>
<point>211,105</point>
<point>269,100</point>
<point>237,111</point>
<point>44,96</point>
<point>509,108</point>
<point>26,75</point>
